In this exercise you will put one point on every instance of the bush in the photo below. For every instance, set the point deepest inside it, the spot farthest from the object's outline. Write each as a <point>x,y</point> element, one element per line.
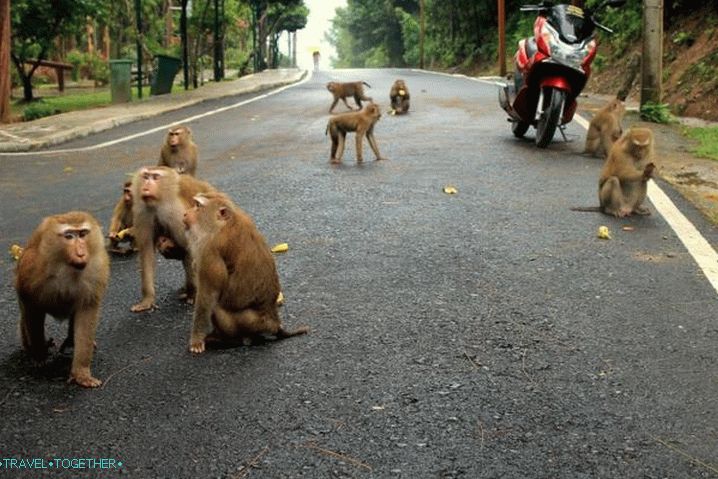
<point>75,58</point>
<point>656,113</point>
<point>37,110</point>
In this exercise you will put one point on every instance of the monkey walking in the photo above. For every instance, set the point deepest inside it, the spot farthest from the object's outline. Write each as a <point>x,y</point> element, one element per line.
<point>362,122</point>
<point>237,280</point>
<point>348,89</point>
<point>399,97</point>
<point>605,128</point>
<point>63,271</point>
<point>623,183</point>
<point>179,151</point>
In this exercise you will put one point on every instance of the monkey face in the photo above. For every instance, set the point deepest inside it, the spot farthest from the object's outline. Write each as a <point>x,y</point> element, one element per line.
<point>74,241</point>
<point>150,180</point>
<point>174,137</point>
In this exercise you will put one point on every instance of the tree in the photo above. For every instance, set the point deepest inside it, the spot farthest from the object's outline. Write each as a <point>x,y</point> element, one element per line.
<point>5,86</point>
<point>36,24</point>
<point>264,25</point>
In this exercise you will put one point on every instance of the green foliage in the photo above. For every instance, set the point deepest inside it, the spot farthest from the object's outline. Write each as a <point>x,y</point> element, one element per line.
<point>708,141</point>
<point>656,113</point>
<point>625,21</point>
<point>38,109</point>
<point>410,36</point>
<point>683,38</point>
<point>75,58</point>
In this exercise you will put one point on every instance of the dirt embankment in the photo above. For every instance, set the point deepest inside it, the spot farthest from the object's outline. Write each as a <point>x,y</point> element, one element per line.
<point>690,66</point>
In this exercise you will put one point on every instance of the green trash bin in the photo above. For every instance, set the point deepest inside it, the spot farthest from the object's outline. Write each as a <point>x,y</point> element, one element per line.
<point>164,75</point>
<point>121,80</point>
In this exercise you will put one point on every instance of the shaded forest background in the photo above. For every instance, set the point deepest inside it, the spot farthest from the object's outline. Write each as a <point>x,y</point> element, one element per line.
<point>461,36</point>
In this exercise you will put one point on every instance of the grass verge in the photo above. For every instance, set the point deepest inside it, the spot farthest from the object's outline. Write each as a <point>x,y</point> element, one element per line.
<point>707,139</point>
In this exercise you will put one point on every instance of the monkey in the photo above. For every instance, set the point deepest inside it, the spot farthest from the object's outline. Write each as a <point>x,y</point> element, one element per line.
<point>179,151</point>
<point>162,196</point>
<point>399,96</point>
<point>237,281</point>
<point>120,229</point>
<point>605,128</point>
<point>63,271</point>
<point>622,185</point>
<point>362,122</point>
<point>344,90</point>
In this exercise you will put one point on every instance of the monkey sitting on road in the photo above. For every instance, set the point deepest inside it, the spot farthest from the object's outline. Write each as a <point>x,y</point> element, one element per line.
<point>237,280</point>
<point>605,128</point>
<point>120,229</point>
<point>179,151</point>
<point>362,122</point>
<point>399,96</point>
<point>623,183</point>
<point>343,90</point>
<point>63,271</point>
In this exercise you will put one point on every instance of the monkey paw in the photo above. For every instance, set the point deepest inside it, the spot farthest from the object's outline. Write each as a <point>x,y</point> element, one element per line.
<point>84,379</point>
<point>144,305</point>
<point>196,346</point>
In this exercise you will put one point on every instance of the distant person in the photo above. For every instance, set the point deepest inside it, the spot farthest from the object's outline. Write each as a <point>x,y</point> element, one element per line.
<point>315,57</point>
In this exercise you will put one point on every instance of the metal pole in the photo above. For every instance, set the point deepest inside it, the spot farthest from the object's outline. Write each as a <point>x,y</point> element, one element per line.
<point>652,64</point>
<point>185,51</point>
<point>138,16</point>
<point>422,29</point>
<point>502,38</point>
<point>217,66</point>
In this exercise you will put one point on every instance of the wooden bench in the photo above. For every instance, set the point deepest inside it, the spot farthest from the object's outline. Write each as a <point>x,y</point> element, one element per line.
<point>59,69</point>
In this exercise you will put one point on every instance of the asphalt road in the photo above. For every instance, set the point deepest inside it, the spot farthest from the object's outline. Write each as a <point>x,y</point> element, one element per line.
<point>484,334</point>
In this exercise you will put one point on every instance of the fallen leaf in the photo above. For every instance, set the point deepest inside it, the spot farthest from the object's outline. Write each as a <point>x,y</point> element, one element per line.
<point>280,248</point>
<point>450,190</point>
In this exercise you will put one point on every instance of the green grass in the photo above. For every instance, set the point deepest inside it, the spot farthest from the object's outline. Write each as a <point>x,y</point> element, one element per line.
<point>708,139</point>
<point>53,104</point>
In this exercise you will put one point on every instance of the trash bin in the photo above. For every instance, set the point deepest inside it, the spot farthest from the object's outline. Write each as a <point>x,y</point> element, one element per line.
<point>121,81</point>
<point>164,76</point>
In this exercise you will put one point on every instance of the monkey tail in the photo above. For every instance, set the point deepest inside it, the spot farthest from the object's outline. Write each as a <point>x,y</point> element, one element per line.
<point>283,333</point>
<point>588,209</point>
<point>366,84</point>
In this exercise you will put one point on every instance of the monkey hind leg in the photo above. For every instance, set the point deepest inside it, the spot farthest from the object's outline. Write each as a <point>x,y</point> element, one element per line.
<point>612,198</point>
<point>32,333</point>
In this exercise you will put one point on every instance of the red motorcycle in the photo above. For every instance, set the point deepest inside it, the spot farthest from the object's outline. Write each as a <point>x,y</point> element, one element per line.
<point>551,69</point>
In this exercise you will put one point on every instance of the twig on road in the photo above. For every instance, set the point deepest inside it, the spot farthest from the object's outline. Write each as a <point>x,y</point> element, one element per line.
<point>523,367</point>
<point>107,379</point>
<point>250,464</point>
<point>342,457</point>
<point>693,459</point>
<point>471,360</point>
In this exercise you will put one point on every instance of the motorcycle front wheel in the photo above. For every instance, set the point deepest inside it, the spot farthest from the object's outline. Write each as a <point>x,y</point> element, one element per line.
<point>550,116</point>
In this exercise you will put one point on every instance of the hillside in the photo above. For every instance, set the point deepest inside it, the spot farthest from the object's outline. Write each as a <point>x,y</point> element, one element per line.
<point>690,67</point>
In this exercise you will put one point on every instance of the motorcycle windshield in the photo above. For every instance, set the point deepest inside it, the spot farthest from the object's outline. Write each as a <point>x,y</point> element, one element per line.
<point>571,22</point>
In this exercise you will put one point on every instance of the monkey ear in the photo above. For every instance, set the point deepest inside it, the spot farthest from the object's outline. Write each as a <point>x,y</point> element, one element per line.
<point>223,213</point>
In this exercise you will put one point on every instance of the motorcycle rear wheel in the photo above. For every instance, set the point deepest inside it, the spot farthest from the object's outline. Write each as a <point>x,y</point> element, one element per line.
<point>551,115</point>
<point>519,128</point>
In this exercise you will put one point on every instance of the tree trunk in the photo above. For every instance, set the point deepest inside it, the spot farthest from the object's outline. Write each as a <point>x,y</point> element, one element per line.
<point>5,82</point>
<point>26,88</point>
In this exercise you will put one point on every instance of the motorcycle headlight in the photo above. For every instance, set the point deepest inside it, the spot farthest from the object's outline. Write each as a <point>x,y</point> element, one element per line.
<point>571,55</point>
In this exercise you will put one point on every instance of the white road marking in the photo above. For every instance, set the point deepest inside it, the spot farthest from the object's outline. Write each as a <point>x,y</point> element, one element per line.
<point>702,252</point>
<point>160,128</point>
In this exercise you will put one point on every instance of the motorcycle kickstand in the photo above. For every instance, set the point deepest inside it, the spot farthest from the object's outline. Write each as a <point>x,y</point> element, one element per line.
<point>561,128</point>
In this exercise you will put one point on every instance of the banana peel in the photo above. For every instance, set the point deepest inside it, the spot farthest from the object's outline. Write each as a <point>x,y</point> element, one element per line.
<point>280,248</point>
<point>280,299</point>
<point>16,251</point>
<point>603,232</point>
<point>450,190</point>
<point>122,233</point>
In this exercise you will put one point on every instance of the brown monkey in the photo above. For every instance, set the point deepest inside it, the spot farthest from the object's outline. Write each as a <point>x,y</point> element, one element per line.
<point>362,122</point>
<point>399,96</point>
<point>605,128</point>
<point>623,183</point>
<point>237,281</point>
<point>179,151</point>
<point>121,223</point>
<point>347,89</point>
<point>161,197</point>
<point>63,272</point>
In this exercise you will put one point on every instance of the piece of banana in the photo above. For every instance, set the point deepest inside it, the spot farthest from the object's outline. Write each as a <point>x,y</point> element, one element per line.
<point>450,190</point>
<point>122,233</point>
<point>15,251</point>
<point>603,232</point>
<point>280,248</point>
